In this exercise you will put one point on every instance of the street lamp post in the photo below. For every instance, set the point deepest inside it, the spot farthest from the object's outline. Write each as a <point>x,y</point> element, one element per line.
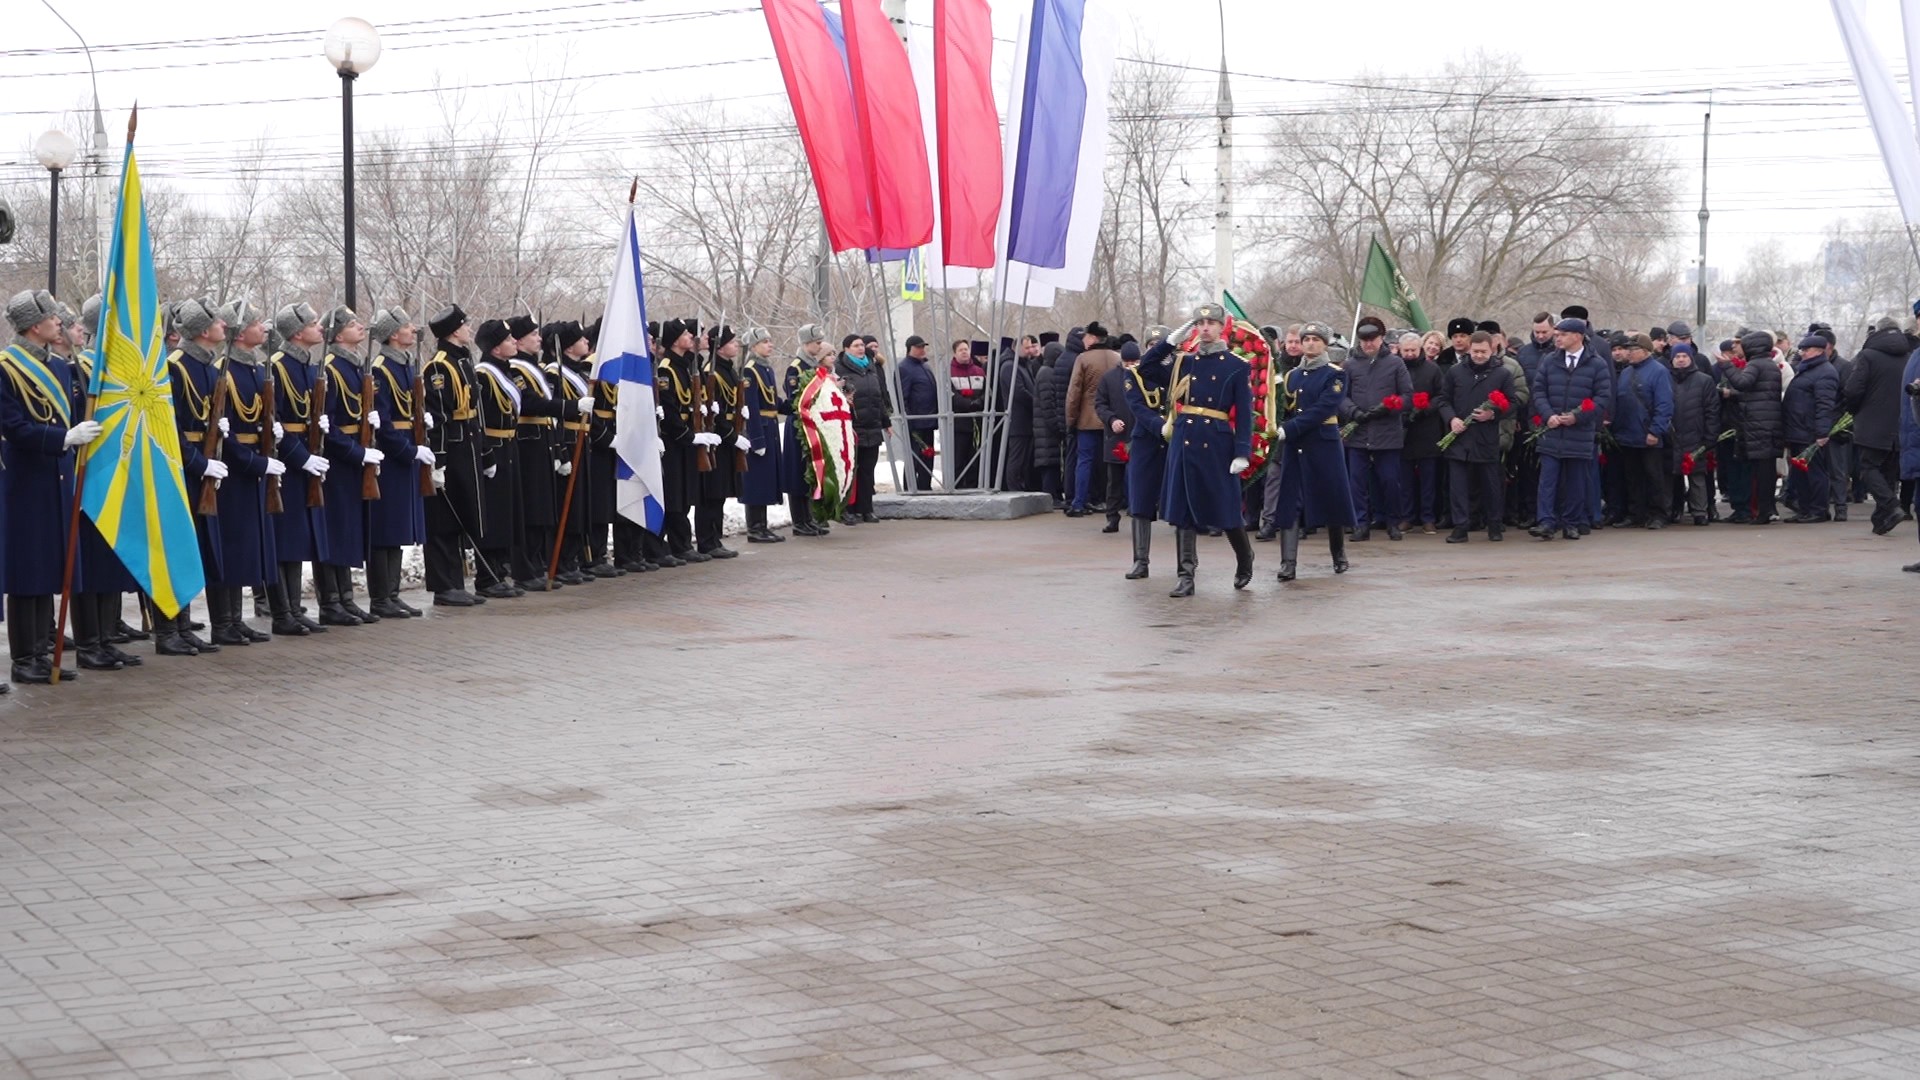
<point>56,150</point>
<point>352,47</point>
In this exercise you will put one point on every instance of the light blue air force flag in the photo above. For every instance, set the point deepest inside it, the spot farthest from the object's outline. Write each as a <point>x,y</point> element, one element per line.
<point>626,363</point>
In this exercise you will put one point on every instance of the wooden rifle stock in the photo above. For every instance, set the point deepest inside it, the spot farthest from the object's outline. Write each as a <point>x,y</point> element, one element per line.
<point>210,447</point>
<point>702,459</point>
<point>269,416</point>
<point>740,419</point>
<point>369,474</point>
<point>420,424</point>
<point>316,438</point>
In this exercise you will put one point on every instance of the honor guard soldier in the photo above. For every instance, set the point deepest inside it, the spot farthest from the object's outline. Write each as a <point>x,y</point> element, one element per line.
<point>195,373</point>
<point>1313,470</point>
<point>400,517</point>
<point>353,421</point>
<point>246,537</point>
<point>813,353</point>
<point>41,405</point>
<point>563,351</point>
<point>453,511</point>
<point>1209,438</point>
<point>97,626</point>
<point>542,409</point>
<point>1146,460</point>
<point>300,529</point>
<point>765,479</point>
<point>628,554</point>
<point>724,400</point>
<point>675,382</point>
<point>499,399</point>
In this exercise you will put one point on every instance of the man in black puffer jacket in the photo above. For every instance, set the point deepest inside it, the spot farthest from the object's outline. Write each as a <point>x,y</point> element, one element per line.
<point>1049,420</point>
<point>1754,384</point>
<point>1873,394</point>
<point>1696,428</point>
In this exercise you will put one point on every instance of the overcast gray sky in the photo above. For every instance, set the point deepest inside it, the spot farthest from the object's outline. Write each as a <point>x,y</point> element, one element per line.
<point>1791,145</point>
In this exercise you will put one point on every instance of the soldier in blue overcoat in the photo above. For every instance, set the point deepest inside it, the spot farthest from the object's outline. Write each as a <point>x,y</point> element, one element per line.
<point>1146,461</point>
<point>767,466</point>
<point>299,530</point>
<point>246,538</point>
<point>1210,436</point>
<point>40,420</point>
<point>195,374</point>
<point>350,406</point>
<point>1313,477</point>
<point>400,517</point>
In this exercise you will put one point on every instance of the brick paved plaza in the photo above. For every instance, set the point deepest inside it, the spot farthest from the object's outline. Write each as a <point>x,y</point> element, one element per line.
<point>956,800</point>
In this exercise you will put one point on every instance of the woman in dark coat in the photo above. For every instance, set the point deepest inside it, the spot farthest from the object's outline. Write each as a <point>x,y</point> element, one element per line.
<point>1013,391</point>
<point>1473,415</point>
<point>1049,387</point>
<point>866,388</point>
<point>1754,384</point>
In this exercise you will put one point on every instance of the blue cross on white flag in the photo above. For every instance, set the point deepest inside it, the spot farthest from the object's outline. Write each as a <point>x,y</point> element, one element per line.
<point>626,363</point>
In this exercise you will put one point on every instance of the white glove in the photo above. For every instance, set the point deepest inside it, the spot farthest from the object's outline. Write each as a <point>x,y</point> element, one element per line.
<point>373,419</point>
<point>1239,466</point>
<point>586,405</point>
<point>316,466</point>
<point>429,419</point>
<point>743,442</point>
<point>1279,434</point>
<point>660,412</point>
<point>278,431</point>
<point>662,447</point>
<point>490,471</point>
<point>1179,336</point>
<point>326,424</point>
<point>713,407</point>
<point>81,434</point>
<point>705,438</point>
<point>762,452</point>
<point>563,468</point>
<point>423,455</point>
<point>370,456</point>
<point>439,478</point>
<point>276,467</point>
<point>225,428</point>
<point>217,470</point>
<point>743,413</point>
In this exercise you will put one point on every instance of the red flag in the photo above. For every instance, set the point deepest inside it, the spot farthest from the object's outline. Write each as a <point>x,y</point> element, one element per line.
<point>968,126</point>
<point>823,109</point>
<point>888,106</point>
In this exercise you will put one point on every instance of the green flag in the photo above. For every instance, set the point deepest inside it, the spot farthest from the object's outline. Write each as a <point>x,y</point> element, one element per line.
<point>1233,306</point>
<point>1385,287</point>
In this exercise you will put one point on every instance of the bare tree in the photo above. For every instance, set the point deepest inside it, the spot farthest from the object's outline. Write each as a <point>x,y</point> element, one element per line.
<point>1774,291</point>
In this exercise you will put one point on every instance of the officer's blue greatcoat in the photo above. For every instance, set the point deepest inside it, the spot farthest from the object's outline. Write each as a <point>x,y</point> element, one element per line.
<point>300,532</point>
<point>39,470</point>
<point>1313,475</point>
<point>194,378</point>
<point>246,538</point>
<point>1200,490</point>
<point>400,517</point>
<point>1146,448</point>
<point>347,533</point>
<point>766,479</point>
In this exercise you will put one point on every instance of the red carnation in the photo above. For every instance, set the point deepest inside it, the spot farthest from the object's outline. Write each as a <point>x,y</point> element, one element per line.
<point>1686,465</point>
<point>1586,404</point>
<point>1739,362</point>
<point>1537,422</point>
<point>1393,403</point>
<point>1498,400</point>
<point>1798,463</point>
<point>1120,451</point>
<point>1422,401</point>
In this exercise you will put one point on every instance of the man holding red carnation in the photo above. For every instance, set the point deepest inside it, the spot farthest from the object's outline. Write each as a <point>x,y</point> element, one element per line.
<point>1478,394</point>
<point>1378,391</point>
<point>1569,381</point>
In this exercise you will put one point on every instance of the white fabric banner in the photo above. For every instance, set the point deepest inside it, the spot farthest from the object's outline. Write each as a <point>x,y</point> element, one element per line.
<point>1892,125</point>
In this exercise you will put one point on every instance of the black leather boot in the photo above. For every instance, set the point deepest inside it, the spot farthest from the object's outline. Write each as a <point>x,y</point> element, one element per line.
<point>223,606</point>
<point>1337,544</point>
<point>1289,553</point>
<point>1187,547</point>
<point>284,623</point>
<point>1142,545</point>
<point>167,640</point>
<point>327,582</point>
<point>394,574</point>
<point>1243,557</point>
<point>290,585</point>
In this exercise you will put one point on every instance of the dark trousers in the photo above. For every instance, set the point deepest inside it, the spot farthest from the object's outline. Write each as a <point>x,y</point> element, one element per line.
<point>1465,476</point>
<point>1643,476</point>
<point>1087,446</point>
<point>1760,487</point>
<point>1809,488</point>
<point>446,562</point>
<point>1736,483</point>
<point>629,541</point>
<point>1049,481</point>
<point>383,573</point>
<point>679,536</point>
<point>1365,469</point>
<point>923,453</point>
<point>966,452</point>
<point>1563,501</point>
<point>866,462</point>
<point>1613,484</point>
<point>1116,488</point>
<point>1524,465</point>
<point>530,557</point>
<point>1880,470</point>
<point>709,519</point>
<point>1420,489</point>
<point>1839,457</point>
<point>95,617</point>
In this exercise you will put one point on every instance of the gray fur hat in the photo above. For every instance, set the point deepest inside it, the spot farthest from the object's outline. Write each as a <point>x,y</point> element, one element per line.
<point>294,318</point>
<point>754,336</point>
<point>90,312</point>
<point>811,333</point>
<point>238,315</point>
<point>193,317</point>
<point>336,321</point>
<point>29,308</point>
<point>387,322</point>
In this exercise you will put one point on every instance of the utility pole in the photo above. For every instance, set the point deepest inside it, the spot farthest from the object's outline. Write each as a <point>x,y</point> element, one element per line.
<point>1700,285</point>
<point>1223,181</point>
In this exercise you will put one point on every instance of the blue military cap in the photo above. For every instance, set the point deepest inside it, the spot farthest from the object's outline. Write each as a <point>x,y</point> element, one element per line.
<point>1571,326</point>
